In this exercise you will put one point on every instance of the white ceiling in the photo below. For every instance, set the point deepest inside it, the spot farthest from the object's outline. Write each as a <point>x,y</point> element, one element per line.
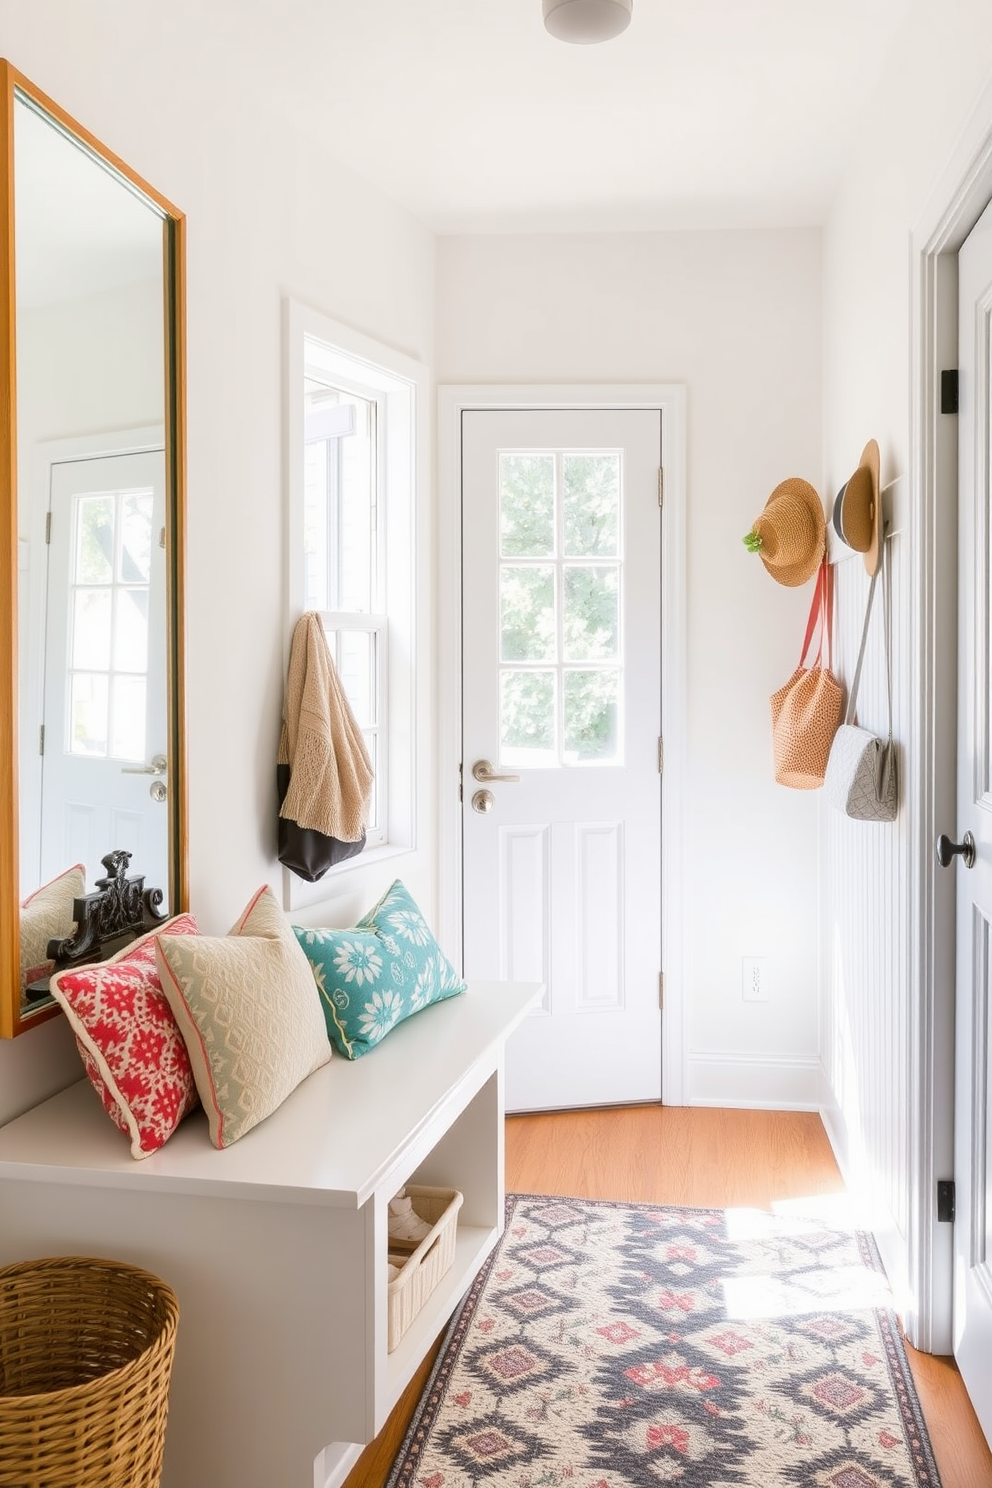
<point>704,113</point>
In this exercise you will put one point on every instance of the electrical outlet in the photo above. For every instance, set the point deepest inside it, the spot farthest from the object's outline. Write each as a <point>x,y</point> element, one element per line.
<point>754,978</point>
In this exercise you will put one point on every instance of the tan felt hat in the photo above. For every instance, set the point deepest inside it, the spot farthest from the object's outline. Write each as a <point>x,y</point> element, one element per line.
<point>790,534</point>
<point>857,517</point>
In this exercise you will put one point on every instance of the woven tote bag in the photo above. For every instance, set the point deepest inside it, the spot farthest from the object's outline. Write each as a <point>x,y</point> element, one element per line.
<point>807,710</point>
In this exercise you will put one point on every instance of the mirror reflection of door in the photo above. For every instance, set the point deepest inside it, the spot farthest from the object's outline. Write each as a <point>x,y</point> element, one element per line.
<point>90,396</point>
<point>103,754</point>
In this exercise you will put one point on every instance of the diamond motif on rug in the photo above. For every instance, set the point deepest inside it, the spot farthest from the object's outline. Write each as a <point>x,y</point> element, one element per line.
<point>531,1302</point>
<point>583,1358</point>
<point>839,1394</point>
<point>487,1448</point>
<point>512,1366</point>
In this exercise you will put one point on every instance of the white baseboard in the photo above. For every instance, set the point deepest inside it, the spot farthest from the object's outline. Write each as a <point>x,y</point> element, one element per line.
<point>334,1463</point>
<point>767,1082</point>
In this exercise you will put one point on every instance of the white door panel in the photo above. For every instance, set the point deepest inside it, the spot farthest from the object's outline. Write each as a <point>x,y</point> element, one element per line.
<point>973,1133</point>
<point>561,691</point>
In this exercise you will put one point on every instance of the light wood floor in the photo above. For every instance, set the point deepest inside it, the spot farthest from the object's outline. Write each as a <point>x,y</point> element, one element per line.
<point>699,1158</point>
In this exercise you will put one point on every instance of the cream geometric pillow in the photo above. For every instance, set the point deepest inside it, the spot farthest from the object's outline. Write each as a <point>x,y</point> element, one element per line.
<point>248,1011</point>
<point>46,915</point>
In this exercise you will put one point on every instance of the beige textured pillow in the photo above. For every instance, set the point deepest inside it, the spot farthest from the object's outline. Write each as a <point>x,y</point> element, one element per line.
<point>247,1007</point>
<point>45,915</point>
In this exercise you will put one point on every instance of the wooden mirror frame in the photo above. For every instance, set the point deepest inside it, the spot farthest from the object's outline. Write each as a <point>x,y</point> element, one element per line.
<point>13,1021</point>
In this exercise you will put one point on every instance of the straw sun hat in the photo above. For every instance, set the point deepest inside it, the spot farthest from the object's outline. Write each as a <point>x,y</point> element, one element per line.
<point>790,535</point>
<point>857,517</point>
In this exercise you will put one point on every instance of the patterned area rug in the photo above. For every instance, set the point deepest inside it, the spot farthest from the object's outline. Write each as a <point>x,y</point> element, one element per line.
<point>625,1346</point>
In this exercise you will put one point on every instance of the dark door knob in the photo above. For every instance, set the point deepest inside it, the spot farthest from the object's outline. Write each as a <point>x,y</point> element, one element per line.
<point>946,850</point>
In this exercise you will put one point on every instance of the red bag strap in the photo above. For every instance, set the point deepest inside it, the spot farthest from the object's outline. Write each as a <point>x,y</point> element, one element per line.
<point>821,610</point>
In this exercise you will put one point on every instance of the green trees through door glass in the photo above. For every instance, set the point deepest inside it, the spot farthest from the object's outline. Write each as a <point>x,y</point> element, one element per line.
<point>560,594</point>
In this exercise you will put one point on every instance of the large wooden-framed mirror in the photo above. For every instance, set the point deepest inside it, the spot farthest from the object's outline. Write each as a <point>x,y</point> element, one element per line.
<point>92,466</point>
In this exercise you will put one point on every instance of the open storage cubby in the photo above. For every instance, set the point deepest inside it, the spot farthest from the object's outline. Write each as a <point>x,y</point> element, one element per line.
<point>277,1247</point>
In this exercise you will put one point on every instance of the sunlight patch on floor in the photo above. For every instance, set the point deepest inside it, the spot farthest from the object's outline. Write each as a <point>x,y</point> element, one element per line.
<point>762,1293</point>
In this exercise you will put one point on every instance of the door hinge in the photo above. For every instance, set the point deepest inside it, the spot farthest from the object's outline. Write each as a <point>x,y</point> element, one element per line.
<point>949,390</point>
<point>661,989</point>
<point>48,527</point>
<point>461,777</point>
<point>661,486</point>
<point>945,1200</point>
<point>661,756</point>
<point>41,739</point>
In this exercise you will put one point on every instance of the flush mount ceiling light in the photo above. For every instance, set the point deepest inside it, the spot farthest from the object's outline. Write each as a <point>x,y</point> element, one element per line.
<point>586,20</point>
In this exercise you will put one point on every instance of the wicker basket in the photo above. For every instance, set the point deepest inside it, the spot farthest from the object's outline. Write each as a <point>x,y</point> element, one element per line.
<point>86,1351</point>
<point>424,1263</point>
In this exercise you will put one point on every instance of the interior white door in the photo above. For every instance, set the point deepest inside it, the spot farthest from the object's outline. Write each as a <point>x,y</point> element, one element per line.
<point>562,699</point>
<point>104,764</point>
<point>973,1113</point>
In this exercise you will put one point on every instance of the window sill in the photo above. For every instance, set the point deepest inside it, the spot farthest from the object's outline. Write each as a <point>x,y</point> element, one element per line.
<point>298,894</point>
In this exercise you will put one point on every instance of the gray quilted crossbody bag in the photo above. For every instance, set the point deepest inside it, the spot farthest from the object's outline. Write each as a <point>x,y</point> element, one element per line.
<point>861,770</point>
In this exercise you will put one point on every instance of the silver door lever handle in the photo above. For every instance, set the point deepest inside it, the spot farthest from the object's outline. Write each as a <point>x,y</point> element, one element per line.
<point>158,765</point>
<point>483,770</point>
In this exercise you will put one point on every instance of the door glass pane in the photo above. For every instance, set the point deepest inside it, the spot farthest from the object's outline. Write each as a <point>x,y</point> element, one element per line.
<point>131,631</point>
<point>136,537</point>
<point>527,714</point>
<point>527,506</point>
<point>592,613</point>
<point>528,629</point>
<point>91,628</point>
<point>110,625</point>
<point>95,540</point>
<point>591,505</point>
<point>88,714</point>
<point>592,716</point>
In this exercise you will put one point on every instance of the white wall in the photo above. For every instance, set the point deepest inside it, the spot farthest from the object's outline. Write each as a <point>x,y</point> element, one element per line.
<point>926,95</point>
<point>270,214</point>
<point>737,318</point>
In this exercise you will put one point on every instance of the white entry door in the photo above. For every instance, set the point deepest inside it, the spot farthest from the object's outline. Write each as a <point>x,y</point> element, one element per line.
<point>973,1111</point>
<point>105,707</point>
<point>561,794</point>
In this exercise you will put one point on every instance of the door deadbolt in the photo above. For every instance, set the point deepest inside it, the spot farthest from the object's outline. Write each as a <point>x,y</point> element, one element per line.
<point>483,801</point>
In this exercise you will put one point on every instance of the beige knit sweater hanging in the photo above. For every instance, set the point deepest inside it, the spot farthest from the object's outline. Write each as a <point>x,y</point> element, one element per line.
<point>330,773</point>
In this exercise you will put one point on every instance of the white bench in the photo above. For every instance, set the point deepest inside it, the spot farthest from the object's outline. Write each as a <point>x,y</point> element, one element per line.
<point>277,1245</point>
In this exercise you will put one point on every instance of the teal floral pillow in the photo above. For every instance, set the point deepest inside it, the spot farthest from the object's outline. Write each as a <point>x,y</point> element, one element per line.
<point>376,974</point>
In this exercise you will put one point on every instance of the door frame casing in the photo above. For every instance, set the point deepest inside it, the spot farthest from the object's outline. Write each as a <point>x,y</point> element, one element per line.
<point>670,399</point>
<point>961,195</point>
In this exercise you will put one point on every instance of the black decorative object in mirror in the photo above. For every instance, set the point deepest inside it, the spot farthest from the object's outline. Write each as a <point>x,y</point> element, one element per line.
<point>119,910</point>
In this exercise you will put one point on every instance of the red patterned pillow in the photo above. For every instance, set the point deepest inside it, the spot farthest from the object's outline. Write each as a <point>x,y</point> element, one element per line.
<point>129,1041</point>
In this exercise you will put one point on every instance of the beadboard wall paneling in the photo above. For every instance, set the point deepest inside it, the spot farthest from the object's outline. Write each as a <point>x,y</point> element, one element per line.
<point>865,886</point>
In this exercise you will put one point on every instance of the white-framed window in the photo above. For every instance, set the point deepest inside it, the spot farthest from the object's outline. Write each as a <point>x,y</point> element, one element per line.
<point>354,416</point>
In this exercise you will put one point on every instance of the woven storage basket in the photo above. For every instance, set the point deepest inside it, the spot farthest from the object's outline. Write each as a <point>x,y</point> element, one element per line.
<point>425,1262</point>
<point>86,1350</point>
